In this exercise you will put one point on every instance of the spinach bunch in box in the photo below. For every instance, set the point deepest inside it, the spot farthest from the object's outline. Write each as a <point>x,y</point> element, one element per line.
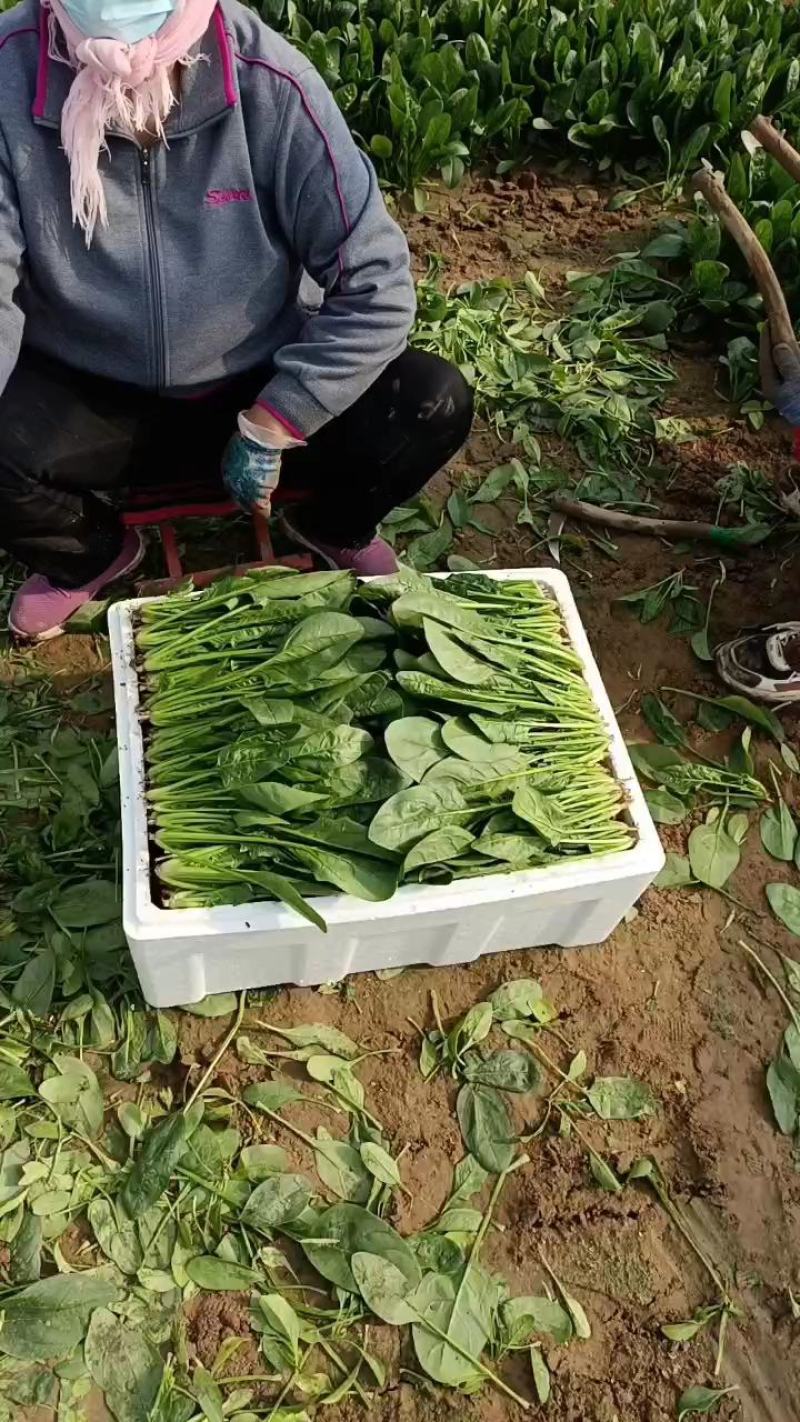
<point>310,735</point>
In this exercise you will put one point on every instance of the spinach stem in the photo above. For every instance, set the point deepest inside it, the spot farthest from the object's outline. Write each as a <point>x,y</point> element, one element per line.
<point>476,1363</point>
<point>795,1016</point>
<point>219,1054</point>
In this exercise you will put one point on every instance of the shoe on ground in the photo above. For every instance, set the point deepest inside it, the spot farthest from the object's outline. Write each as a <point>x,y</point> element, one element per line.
<point>764,665</point>
<point>375,560</point>
<point>40,608</point>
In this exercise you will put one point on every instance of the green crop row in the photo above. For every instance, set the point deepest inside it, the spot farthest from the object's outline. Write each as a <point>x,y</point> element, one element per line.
<point>429,89</point>
<point>770,200</point>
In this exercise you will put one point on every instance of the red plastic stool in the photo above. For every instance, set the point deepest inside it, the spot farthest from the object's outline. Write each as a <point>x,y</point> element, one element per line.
<point>160,508</point>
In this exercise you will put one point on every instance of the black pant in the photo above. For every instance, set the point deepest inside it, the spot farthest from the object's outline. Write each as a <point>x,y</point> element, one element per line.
<point>67,437</point>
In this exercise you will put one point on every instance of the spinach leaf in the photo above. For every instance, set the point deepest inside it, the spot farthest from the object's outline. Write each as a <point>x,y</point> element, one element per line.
<point>486,1127</point>
<point>383,1287</point>
<point>415,744</point>
<point>281,1329</point>
<point>541,1374</point>
<point>621,1098</point>
<point>461,738</point>
<point>783,1085</point>
<point>26,1251</point>
<point>159,1154</point>
<point>662,722</point>
<point>94,901</point>
<point>345,1230</point>
<point>438,847</point>
<point>666,808</point>
<point>217,1275</point>
<point>505,1070</point>
<point>410,815</point>
<point>276,1202</point>
<point>364,782</point>
<point>279,887</point>
<point>435,1252</point>
<point>220,1004</point>
<point>414,607</point>
<point>676,874</point>
<point>779,832</point>
<point>426,550</point>
<point>14,1082</point>
<point>315,1034</point>
<point>454,659</point>
<point>118,1239</point>
<point>48,1319</point>
<point>541,811</point>
<point>35,985</point>
<point>125,1365</point>
<point>713,853</point>
<point>381,1165</point>
<point>460,1310</point>
<point>341,1168</point>
<point>74,1094</point>
<point>518,999</point>
<point>756,715</point>
<point>784,900</point>
<point>364,878</point>
<point>522,1317</point>
<point>696,1400</point>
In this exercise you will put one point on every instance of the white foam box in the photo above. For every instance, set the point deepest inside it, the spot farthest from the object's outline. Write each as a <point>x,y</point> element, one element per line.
<point>183,954</point>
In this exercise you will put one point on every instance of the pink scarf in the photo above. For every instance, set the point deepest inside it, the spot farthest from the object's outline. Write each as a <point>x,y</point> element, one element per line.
<point>124,86</point>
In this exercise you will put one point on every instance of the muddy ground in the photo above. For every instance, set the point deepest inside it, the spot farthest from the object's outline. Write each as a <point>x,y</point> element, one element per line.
<point>672,998</point>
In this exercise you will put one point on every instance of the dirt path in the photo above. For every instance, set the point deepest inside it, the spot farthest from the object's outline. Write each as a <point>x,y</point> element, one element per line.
<point>671,998</point>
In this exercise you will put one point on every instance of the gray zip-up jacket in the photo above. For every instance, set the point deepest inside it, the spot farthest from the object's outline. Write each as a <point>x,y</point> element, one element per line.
<point>196,277</point>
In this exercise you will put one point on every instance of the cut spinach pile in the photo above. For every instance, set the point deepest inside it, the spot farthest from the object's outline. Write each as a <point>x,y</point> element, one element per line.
<point>593,375</point>
<point>176,1198</point>
<point>116,1217</point>
<point>308,734</point>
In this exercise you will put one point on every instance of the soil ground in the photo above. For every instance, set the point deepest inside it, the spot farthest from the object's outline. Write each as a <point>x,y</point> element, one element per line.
<point>671,998</point>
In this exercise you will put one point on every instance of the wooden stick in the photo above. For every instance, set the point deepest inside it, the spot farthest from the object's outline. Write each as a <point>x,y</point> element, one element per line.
<point>636,523</point>
<point>779,147</point>
<point>780,322</point>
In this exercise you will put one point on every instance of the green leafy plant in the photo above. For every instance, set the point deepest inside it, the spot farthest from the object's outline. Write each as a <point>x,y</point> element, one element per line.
<point>428,92</point>
<point>673,595</point>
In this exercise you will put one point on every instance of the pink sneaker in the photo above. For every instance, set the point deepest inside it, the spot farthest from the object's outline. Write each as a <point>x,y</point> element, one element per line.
<point>40,609</point>
<point>375,560</point>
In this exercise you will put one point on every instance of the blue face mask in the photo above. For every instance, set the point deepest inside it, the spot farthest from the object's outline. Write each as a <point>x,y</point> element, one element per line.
<point>127,20</point>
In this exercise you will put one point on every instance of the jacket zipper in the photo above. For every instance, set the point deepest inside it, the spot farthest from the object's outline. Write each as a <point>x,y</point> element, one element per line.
<point>155,267</point>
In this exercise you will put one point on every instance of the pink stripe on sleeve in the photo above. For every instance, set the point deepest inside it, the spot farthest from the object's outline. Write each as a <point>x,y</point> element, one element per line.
<point>40,99</point>
<point>282,420</point>
<point>231,96</point>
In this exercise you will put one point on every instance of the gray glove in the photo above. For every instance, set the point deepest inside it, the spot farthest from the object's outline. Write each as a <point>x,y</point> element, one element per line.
<point>251,465</point>
<point>780,375</point>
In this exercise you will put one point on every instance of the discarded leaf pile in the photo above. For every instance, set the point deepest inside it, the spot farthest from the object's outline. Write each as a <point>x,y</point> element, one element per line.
<point>60,933</point>
<point>593,375</point>
<point>175,1200</point>
<point>307,734</point>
